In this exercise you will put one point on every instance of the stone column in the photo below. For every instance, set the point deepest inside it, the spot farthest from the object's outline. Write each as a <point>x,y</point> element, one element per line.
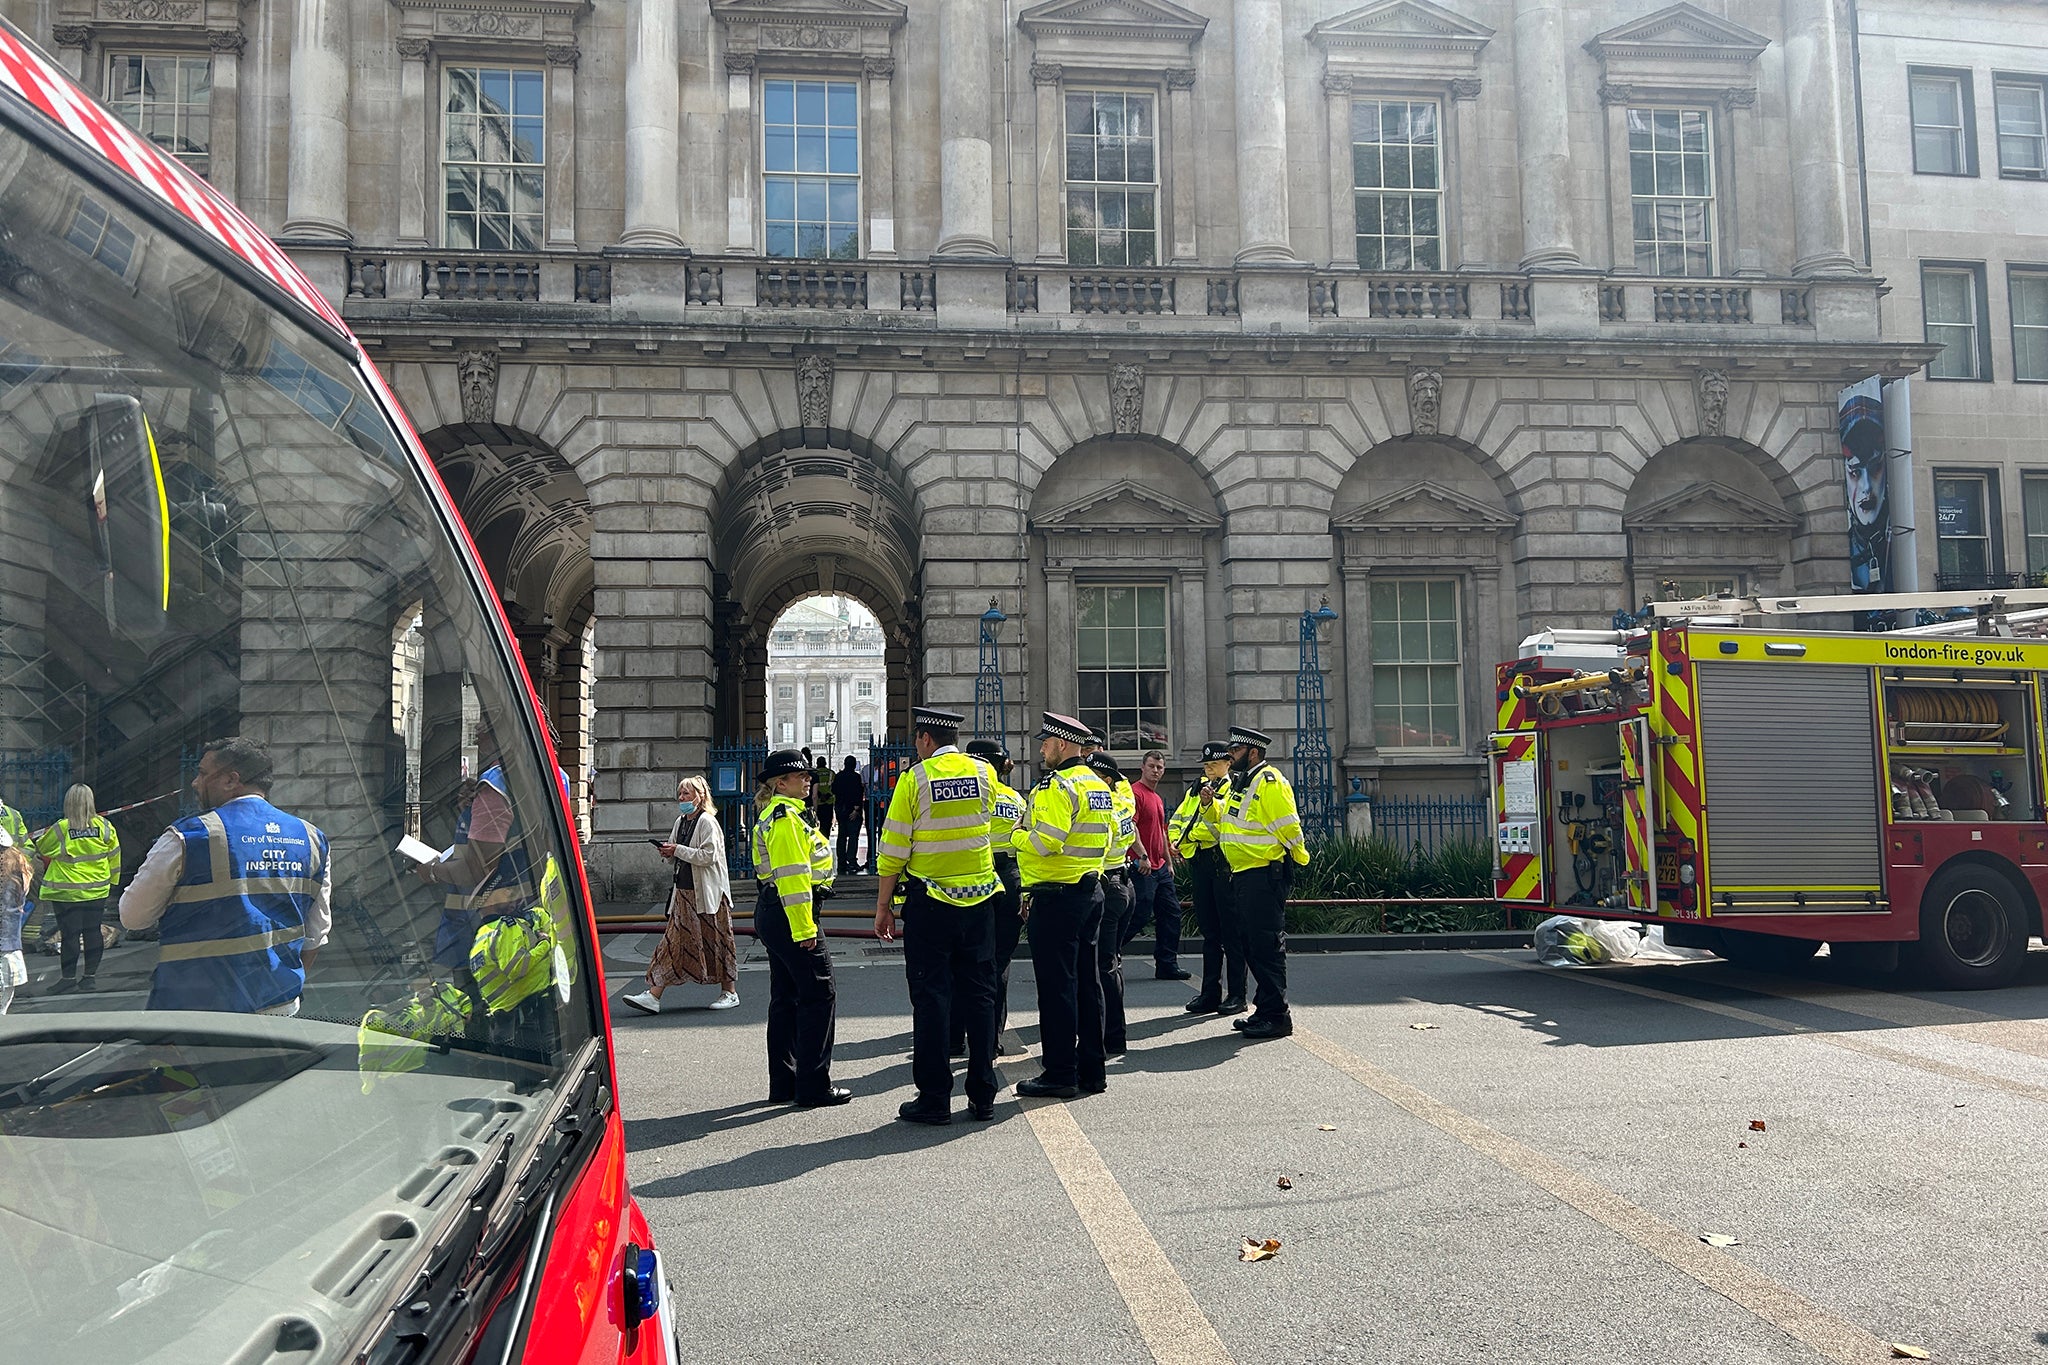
<point>654,122</point>
<point>1262,219</point>
<point>1052,160</point>
<point>223,108</point>
<point>967,184</point>
<point>561,145</point>
<point>1180,111</point>
<point>412,141</point>
<point>1343,186</point>
<point>1542,117</point>
<point>879,74</point>
<point>316,176</point>
<point>741,137</point>
<point>1816,58</point>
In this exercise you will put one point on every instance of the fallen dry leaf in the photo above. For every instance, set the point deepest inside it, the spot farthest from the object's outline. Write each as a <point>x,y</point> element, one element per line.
<point>1285,1183</point>
<point>1328,1127</point>
<point>1257,1250</point>
<point>1719,1239</point>
<point>1756,1125</point>
<point>1742,1144</point>
<point>1905,1352</point>
<point>1420,1027</point>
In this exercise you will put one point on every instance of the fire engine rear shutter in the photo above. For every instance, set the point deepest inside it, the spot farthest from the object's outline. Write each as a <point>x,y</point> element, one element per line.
<point>1789,762</point>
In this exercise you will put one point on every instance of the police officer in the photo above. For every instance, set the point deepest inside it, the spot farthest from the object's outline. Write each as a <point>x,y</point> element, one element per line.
<point>936,835</point>
<point>1059,856</point>
<point>1262,842</point>
<point>1116,897</point>
<point>240,895</point>
<point>1009,814</point>
<point>791,860</point>
<point>1196,830</point>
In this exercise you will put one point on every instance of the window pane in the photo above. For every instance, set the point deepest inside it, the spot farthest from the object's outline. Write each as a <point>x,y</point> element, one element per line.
<point>1948,296</point>
<point>780,200</point>
<point>1093,610</point>
<point>781,240</point>
<point>494,87</point>
<point>1936,100</point>
<point>1080,115</point>
<point>1151,606</point>
<point>810,103</point>
<point>1080,158</point>
<point>810,200</point>
<point>2030,300</point>
<point>841,100</point>
<point>810,150</point>
<point>845,201</point>
<point>845,153</point>
<point>1959,507</point>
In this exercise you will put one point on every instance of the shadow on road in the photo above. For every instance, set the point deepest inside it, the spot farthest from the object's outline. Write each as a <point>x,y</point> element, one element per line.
<point>772,1165</point>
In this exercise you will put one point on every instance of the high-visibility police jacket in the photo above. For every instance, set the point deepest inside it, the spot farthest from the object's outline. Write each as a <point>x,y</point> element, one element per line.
<point>1008,815</point>
<point>395,1038</point>
<point>791,857</point>
<point>518,954</point>
<point>231,935</point>
<point>1068,826</point>
<point>1123,835</point>
<point>82,864</point>
<point>1260,822</point>
<point>937,828</point>
<point>1188,830</point>
<point>16,827</point>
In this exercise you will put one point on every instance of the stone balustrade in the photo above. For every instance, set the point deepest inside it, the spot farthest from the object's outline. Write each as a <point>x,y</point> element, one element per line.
<point>684,288</point>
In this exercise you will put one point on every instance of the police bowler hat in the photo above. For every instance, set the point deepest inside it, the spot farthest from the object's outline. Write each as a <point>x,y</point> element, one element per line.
<point>1215,751</point>
<point>782,762</point>
<point>988,749</point>
<point>1105,765</point>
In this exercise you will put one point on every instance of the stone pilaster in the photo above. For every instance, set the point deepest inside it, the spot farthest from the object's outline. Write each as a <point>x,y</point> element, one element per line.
<point>741,138</point>
<point>1052,143</point>
<point>879,77</point>
<point>1180,113</point>
<point>561,145</point>
<point>413,52</point>
<point>1543,127</point>
<point>1817,63</point>
<point>224,108</point>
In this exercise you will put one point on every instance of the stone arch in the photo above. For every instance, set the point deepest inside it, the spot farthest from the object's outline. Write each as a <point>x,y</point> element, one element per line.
<point>802,512</point>
<point>529,513</point>
<point>1707,513</point>
<point>1129,511</point>
<point>1424,536</point>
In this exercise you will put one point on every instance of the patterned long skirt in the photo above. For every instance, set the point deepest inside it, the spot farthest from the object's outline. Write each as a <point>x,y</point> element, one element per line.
<point>694,947</point>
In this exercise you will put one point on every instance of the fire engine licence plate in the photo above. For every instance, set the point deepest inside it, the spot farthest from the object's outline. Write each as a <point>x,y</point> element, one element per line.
<point>1667,869</point>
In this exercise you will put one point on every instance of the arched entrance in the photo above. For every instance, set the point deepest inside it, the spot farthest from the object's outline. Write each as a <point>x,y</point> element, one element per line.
<point>827,679</point>
<point>792,521</point>
<point>530,516</point>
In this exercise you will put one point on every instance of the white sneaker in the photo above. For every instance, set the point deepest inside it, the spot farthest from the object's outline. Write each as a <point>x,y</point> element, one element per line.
<point>644,1002</point>
<point>726,1000</point>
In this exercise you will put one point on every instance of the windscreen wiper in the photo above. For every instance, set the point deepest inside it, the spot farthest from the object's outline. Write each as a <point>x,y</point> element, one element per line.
<point>452,1285</point>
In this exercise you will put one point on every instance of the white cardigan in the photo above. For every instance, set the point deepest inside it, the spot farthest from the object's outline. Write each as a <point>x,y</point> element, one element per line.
<point>705,853</point>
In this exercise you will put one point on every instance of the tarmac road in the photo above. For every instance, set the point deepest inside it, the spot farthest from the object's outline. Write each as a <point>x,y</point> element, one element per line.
<point>1527,1180</point>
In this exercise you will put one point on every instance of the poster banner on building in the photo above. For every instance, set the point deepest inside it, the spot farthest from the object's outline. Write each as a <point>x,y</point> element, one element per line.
<point>1861,424</point>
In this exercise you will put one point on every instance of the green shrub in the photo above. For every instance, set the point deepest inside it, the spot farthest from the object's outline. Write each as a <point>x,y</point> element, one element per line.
<point>1367,869</point>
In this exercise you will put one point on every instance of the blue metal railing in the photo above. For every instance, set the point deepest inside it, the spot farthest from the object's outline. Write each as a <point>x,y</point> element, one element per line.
<point>1430,821</point>
<point>733,766</point>
<point>887,760</point>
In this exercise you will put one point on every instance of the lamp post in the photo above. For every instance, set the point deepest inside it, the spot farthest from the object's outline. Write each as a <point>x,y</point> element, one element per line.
<point>831,737</point>
<point>991,714</point>
<point>1315,776</point>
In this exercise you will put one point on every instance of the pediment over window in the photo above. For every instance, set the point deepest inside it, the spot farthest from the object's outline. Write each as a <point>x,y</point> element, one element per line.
<point>1126,506</point>
<point>1425,506</point>
<point>1405,41</point>
<point>1681,33</point>
<point>492,22</point>
<point>1118,20</point>
<point>1711,507</point>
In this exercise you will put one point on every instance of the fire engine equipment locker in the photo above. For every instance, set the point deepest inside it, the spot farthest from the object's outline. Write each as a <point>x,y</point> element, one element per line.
<point>1790,769</point>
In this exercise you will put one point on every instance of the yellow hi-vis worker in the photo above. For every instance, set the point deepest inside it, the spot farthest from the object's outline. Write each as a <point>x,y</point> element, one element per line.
<point>792,862</point>
<point>14,825</point>
<point>1262,842</point>
<point>81,862</point>
<point>1117,895</point>
<point>935,836</point>
<point>1196,829</point>
<point>1068,821</point>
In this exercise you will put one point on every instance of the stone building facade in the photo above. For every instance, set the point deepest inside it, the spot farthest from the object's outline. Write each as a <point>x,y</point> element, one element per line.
<point>1159,324</point>
<point>827,689</point>
<point>1958,184</point>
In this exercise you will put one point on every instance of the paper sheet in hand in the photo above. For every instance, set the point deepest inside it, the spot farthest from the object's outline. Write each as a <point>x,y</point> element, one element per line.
<point>417,851</point>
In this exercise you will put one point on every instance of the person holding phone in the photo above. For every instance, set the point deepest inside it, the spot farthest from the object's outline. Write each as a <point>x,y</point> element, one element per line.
<point>697,945</point>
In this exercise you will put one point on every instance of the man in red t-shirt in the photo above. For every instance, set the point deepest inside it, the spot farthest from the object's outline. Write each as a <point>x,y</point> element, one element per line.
<point>1152,893</point>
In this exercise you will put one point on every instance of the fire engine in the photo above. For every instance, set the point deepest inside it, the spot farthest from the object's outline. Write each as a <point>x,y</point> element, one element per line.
<point>1760,790</point>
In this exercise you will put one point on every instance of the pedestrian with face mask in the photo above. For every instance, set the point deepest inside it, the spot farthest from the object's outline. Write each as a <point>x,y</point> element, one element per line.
<point>697,944</point>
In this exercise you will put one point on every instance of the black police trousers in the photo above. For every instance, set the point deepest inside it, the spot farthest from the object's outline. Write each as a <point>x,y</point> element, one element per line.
<point>949,954</point>
<point>1065,924</point>
<point>1109,956</point>
<point>1222,943</point>
<point>803,1006</point>
<point>1258,901</point>
<point>1009,928</point>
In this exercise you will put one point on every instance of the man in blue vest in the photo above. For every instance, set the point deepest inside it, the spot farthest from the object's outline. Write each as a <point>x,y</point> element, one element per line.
<point>240,895</point>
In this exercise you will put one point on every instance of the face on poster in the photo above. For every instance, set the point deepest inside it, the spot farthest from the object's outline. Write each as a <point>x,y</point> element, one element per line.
<point>1869,497</point>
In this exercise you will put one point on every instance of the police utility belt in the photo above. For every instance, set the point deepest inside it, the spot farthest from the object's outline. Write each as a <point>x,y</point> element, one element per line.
<point>1086,883</point>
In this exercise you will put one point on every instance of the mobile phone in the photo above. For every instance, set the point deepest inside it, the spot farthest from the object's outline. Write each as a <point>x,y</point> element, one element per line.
<point>657,842</point>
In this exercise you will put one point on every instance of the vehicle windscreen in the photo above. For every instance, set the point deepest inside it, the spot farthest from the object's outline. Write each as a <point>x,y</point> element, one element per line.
<point>288,965</point>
